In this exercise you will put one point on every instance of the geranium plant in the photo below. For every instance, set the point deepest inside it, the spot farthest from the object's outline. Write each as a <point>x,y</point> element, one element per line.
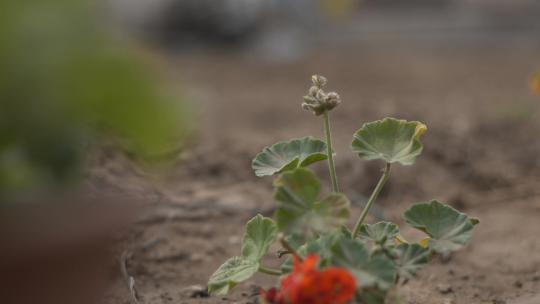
<point>323,260</point>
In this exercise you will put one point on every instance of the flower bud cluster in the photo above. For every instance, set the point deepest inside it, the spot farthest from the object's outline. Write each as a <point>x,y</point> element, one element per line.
<point>318,101</point>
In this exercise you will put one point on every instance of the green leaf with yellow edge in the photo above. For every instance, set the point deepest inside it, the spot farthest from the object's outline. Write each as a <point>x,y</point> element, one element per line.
<point>392,140</point>
<point>448,228</point>
<point>260,233</point>
<point>289,155</point>
<point>376,271</point>
<point>299,209</point>
<point>399,239</point>
<point>232,272</point>
<point>424,243</point>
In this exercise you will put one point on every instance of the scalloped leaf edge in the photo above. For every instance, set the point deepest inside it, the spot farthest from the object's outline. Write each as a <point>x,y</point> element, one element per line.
<point>262,168</point>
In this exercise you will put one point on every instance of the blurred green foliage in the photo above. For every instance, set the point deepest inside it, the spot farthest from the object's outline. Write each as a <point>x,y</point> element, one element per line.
<point>63,82</point>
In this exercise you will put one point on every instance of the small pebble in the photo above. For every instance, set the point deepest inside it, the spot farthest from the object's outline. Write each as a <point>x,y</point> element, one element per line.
<point>444,288</point>
<point>194,291</point>
<point>518,284</point>
<point>197,257</point>
<point>234,240</point>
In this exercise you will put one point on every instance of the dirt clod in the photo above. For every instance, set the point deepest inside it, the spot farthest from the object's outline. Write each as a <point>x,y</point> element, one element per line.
<point>195,291</point>
<point>444,288</point>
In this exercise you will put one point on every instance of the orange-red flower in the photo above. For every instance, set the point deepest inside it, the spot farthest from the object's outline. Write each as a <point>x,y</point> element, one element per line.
<point>307,285</point>
<point>535,84</point>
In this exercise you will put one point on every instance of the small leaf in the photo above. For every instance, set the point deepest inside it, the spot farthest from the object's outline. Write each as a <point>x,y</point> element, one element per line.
<point>382,233</point>
<point>390,139</point>
<point>260,233</point>
<point>448,228</point>
<point>289,155</point>
<point>299,211</point>
<point>232,272</point>
<point>321,247</point>
<point>377,271</point>
<point>411,258</point>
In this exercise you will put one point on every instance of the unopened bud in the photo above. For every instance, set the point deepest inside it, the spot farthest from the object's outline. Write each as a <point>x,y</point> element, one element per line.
<point>333,97</point>
<point>316,109</point>
<point>319,81</point>
<point>317,101</point>
<point>313,91</point>
<point>321,96</point>
<point>310,99</point>
<point>332,100</point>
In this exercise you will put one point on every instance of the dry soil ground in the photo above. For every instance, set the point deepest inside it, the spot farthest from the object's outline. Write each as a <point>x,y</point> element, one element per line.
<point>482,155</point>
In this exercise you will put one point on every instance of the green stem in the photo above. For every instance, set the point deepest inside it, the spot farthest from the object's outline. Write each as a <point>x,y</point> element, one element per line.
<point>288,246</point>
<point>372,198</point>
<point>270,271</point>
<point>330,152</point>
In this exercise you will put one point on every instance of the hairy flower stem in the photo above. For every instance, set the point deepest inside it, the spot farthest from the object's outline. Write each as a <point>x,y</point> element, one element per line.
<point>269,271</point>
<point>372,198</point>
<point>330,152</point>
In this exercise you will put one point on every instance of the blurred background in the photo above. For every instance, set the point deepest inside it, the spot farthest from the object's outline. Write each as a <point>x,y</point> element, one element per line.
<point>127,128</point>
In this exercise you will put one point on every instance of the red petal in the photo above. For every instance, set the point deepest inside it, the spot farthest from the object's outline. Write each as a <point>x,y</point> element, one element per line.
<point>339,283</point>
<point>307,285</point>
<point>309,263</point>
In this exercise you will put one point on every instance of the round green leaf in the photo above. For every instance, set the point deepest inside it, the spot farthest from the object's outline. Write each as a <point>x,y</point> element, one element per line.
<point>300,212</point>
<point>382,233</point>
<point>260,233</point>
<point>232,272</point>
<point>448,228</point>
<point>410,259</point>
<point>376,271</point>
<point>392,140</point>
<point>289,155</point>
